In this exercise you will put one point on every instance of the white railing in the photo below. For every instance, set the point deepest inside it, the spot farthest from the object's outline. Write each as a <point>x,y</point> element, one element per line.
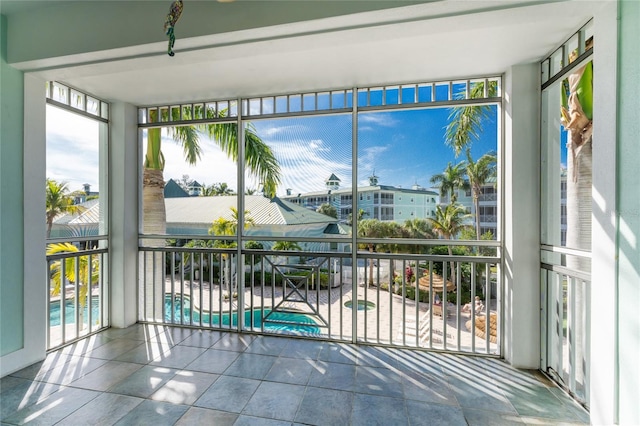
<point>314,294</point>
<point>566,326</point>
<point>77,285</point>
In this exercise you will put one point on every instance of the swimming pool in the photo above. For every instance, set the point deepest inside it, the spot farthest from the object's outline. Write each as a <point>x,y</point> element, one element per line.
<point>70,312</point>
<point>289,322</point>
<point>361,305</point>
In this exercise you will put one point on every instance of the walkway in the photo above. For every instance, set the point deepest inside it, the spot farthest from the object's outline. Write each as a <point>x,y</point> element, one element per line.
<point>169,375</point>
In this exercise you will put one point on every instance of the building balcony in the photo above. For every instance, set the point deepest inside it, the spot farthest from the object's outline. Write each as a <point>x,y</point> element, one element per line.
<point>152,374</point>
<point>182,364</point>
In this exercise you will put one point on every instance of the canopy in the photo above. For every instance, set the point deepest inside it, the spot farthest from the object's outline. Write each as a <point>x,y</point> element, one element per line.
<point>437,283</point>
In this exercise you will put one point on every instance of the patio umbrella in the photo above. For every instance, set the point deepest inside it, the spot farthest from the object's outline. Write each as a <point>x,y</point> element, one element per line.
<point>437,283</point>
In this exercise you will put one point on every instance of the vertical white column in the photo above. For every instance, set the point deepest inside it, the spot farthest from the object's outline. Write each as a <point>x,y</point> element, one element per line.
<point>628,227</point>
<point>35,263</point>
<point>522,217</point>
<point>604,287</point>
<point>123,217</point>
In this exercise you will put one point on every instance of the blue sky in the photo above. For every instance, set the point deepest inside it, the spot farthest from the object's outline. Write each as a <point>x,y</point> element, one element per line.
<point>404,147</point>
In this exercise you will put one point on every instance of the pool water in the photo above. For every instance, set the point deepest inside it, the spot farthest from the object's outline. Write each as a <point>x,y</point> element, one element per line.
<point>276,321</point>
<point>271,324</point>
<point>70,311</point>
<point>361,305</point>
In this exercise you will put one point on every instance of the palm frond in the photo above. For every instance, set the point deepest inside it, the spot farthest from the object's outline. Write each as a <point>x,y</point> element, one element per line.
<point>465,123</point>
<point>187,137</point>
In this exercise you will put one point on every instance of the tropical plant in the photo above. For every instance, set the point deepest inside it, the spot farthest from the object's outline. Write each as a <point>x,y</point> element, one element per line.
<point>478,173</point>
<point>465,123</point>
<point>328,210</point>
<point>208,190</point>
<point>449,221</point>
<point>391,231</point>
<point>361,215</point>
<point>67,266</point>
<point>218,189</point>
<point>58,201</point>
<point>287,245</point>
<point>259,159</point>
<point>371,228</point>
<point>418,229</point>
<point>577,118</point>
<point>229,227</point>
<point>451,180</point>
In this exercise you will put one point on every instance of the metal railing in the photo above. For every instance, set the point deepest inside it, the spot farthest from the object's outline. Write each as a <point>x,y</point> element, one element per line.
<point>78,302</point>
<point>314,294</point>
<point>488,197</point>
<point>566,292</point>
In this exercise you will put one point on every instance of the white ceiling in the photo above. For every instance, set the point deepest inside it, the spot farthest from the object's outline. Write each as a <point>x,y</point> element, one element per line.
<point>410,44</point>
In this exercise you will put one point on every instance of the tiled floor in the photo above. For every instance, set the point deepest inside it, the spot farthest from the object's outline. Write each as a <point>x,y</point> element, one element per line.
<point>155,375</point>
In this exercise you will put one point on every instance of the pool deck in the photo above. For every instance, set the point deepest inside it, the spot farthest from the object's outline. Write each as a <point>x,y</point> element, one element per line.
<point>390,322</point>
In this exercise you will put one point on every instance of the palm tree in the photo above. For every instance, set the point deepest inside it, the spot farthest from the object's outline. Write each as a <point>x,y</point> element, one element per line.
<point>449,221</point>
<point>259,160</point>
<point>361,214</point>
<point>223,227</point>
<point>83,279</point>
<point>465,123</point>
<point>328,210</point>
<point>452,179</point>
<point>286,245</point>
<point>371,228</point>
<point>577,118</point>
<point>58,201</point>
<point>479,173</point>
<point>418,229</point>
<point>222,188</point>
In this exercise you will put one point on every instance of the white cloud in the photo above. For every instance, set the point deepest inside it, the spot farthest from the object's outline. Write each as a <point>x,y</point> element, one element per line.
<point>214,165</point>
<point>274,130</point>
<point>72,153</point>
<point>377,118</point>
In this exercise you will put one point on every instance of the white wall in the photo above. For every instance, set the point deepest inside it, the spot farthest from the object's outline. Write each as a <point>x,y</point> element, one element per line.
<point>35,266</point>
<point>522,216</point>
<point>11,222</point>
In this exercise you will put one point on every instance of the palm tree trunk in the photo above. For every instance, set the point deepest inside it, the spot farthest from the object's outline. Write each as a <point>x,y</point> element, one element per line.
<point>476,205</point>
<point>154,221</point>
<point>453,273</point>
<point>579,182</point>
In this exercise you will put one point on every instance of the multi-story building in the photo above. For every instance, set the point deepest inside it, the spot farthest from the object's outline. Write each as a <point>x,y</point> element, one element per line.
<point>488,205</point>
<point>383,202</point>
